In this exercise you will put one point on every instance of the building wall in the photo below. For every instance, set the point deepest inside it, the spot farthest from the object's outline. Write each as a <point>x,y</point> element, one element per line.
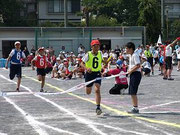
<point>70,38</point>
<point>43,14</point>
<point>173,7</point>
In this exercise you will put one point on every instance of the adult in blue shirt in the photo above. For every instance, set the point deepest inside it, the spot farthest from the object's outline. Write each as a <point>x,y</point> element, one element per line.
<point>15,58</point>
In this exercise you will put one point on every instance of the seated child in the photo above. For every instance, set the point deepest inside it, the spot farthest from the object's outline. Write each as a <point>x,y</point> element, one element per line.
<point>146,67</point>
<point>120,81</point>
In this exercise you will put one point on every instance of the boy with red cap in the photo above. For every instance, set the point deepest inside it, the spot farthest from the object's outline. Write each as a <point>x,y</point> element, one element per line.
<point>15,63</point>
<point>41,63</point>
<point>92,63</point>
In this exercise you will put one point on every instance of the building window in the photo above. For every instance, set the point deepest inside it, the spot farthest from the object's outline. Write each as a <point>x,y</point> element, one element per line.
<point>57,6</point>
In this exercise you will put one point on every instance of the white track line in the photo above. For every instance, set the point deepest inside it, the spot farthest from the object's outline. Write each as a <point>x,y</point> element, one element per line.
<point>154,106</point>
<point>153,127</point>
<point>29,118</point>
<point>34,123</point>
<point>82,120</point>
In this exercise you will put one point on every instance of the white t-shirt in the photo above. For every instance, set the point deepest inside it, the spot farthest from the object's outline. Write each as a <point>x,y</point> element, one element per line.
<point>156,53</point>
<point>146,64</point>
<point>178,53</point>
<point>168,51</point>
<point>133,61</point>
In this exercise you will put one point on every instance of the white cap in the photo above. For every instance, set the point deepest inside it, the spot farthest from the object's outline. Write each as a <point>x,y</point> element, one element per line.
<point>17,42</point>
<point>105,55</point>
<point>58,58</point>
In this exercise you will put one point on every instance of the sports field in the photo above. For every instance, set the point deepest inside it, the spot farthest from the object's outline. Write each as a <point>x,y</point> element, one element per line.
<point>30,112</point>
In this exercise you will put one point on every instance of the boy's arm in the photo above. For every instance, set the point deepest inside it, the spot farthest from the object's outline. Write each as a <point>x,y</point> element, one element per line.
<point>175,41</point>
<point>134,68</point>
<point>8,59</point>
<point>83,66</point>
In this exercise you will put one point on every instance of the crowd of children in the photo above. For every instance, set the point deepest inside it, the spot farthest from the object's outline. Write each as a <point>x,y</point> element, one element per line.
<point>96,64</point>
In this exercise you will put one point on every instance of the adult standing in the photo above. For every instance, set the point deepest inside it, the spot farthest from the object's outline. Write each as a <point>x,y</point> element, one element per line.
<point>168,60</point>
<point>178,55</point>
<point>15,57</point>
<point>148,53</point>
<point>117,51</point>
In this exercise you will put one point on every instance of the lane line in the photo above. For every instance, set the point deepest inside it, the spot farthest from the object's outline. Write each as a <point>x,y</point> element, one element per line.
<point>29,118</point>
<point>177,125</point>
<point>81,120</point>
<point>75,116</point>
<point>34,123</point>
<point>164,104</point>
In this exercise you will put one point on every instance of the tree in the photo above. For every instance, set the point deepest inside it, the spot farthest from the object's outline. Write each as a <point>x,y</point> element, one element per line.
<point>10,10</point>
<point>175,28</point>
<point>149,16</point>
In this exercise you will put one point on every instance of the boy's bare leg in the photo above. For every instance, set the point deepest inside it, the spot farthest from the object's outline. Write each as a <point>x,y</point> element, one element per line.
<point>88,90</point>
<point>134,100</point>
<point>18,83</point>
<point>98,94</point>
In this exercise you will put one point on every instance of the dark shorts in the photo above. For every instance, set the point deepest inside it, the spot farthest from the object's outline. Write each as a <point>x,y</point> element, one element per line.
<point>91,76</point>
<point>156,60</point>
<point>48,70</point>
<point>178,59</point>
<point>117,88</point>
<point>146,71</point>
<point>135,79</point>
<point>15,70</point>
<point>41,71</point>
<point>150,60</point>
<point>168,62</point>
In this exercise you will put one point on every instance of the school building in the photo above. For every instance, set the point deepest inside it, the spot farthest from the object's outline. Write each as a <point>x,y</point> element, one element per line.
<point>70,37</point>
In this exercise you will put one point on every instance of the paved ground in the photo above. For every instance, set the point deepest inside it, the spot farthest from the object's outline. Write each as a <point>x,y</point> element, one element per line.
<point>30,113</point>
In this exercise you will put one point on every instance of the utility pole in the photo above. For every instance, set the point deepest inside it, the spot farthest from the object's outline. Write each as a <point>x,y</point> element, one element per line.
<point>162,16</point>
<point>65,14</point>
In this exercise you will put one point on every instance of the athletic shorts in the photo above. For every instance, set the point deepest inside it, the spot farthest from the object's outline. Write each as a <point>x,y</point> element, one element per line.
<point>168,62</point>
<point>156,60</point>
<point>178,59</point>
<point>41,71</point>
<point>91,76</point>
<point>146,71</point>
<point>15,70</point>
<point>135,79</point>
<point>48,70</point>
<point>150,60</point>
<point>117,88</point>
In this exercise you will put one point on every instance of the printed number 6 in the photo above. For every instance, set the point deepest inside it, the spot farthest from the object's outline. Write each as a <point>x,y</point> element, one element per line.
<point>18,56</point>
<point>42,62</point>
<point>95,62</point>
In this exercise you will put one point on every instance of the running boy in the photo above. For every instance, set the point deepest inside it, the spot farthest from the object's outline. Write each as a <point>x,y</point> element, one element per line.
<point>92,63</point>
<point>41,64</point>
<point>135,75</point>
<point>15,63</point>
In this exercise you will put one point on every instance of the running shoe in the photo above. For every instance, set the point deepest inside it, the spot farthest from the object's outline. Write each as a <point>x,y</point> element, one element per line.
<point>98,111</point>
<point>41,90</point>
<point>170,78</point>
<point>17,90</point>
<point>164,78</point>
<point>134,111</point>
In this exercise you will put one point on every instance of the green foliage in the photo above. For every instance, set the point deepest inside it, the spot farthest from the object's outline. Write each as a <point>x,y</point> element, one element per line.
<point>102,21</point>
<point>10,9</point>
<point>175,28</point>
<point>149,16</point>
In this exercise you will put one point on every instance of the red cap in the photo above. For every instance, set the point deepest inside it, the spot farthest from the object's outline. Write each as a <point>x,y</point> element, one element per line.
<point>162,46</point>
<point>41,48</point>
<point>121,57</point>
<point>95,42</point>
<point>178,38</point>
<point>65,63</point>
